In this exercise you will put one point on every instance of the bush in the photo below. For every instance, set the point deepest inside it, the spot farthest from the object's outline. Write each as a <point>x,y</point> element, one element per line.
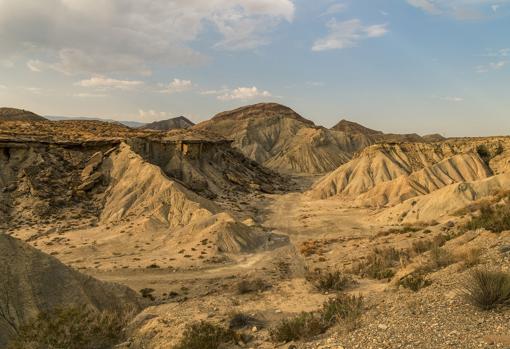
<point>330,281</point>
<point>379,265</point>
<point>250,286</point>
<point>487,289</point>
<point>415,282</point>
<point>492,218</point>
<point>73,328</point>
<point>302,327</point>
<point>240,320</point>
<point>472,257</point>
<point>440,258</point>
<point>201,335</point>
<point>147,293</point>
<point>343,309</point>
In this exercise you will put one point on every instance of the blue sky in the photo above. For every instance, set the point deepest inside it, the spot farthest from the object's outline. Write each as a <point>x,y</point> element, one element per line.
<point>398,65</point>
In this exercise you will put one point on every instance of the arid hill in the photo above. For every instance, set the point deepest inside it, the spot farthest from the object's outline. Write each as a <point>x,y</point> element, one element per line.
<point>170,124</point>
<point>31,282</point>
<point>353,127</point>
<point>281,139</point>
<point>14,114</point>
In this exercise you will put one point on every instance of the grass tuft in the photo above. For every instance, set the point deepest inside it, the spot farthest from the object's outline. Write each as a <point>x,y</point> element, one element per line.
<point>487,289</point>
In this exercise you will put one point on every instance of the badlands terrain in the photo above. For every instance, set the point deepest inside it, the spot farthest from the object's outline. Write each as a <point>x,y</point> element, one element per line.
<point>254,229</point>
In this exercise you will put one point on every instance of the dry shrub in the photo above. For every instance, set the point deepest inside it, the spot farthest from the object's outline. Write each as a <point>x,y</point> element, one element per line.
<point>414,281</point>
<point>201,335</point>
<point>241,320</point>
<point>344,309</point>
<point>330,281</point>
<point>251,286</point>
<point>493,218</point>
<point>301,327</point>
<point>76,327</point>
<point>487,289</point>
<point>471,258</point>
<point>380,263</point>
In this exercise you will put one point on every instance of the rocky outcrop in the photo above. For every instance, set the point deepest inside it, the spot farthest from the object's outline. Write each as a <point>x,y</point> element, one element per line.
<point>171,124</point>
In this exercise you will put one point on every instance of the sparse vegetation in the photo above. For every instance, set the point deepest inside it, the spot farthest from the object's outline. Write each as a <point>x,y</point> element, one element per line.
<point>471,258</point>
<point>241,320</point>
<point>147,293</point>
<point>251,286</point>
<point>201,335</point>
<point>73,328</point>
<point>414,281</point>
<point>301,327</point>
<point>343,309</point>
<point>330,281</point>
<point>379,264</point>
<point>495,218</point>
<point>487,289</point>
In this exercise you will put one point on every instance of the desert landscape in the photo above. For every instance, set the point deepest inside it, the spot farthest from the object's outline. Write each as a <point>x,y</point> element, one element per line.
<point>253,229</point>
<point>254,174</point>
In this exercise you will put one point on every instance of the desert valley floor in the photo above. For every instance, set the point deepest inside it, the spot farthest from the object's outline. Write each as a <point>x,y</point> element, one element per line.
<point>250,220</point>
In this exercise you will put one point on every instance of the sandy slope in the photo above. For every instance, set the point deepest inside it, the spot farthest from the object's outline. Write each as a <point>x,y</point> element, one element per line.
<point>31,281</point>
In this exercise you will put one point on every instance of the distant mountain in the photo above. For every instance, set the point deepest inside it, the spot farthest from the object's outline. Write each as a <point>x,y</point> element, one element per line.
<point>171,124</point>
<point>281,139</point>
<point>353,127</point>
<point>19,115</point>
<point>132,124</point>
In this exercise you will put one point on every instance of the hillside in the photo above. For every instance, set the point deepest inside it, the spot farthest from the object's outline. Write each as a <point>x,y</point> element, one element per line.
<point>13,114</point>
<point>33,282</point>
<point>353,127</point>
<point>171,124</point>
<point>281,139</point>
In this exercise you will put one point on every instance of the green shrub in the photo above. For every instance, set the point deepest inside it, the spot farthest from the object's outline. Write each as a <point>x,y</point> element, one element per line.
<point>343,309</point>
<point>301,327</point>
<point>78,327</point>
<point>330,281</point>
<point>201,335</point>
<point>493,218</point>
<point>487,289</point>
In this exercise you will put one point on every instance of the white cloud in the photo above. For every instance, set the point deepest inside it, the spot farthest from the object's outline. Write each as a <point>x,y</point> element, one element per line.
<point>90,95</point>
<point>176,86</point>
<point>452,99</point>
<point>6,63</point>
<point>334,9</point>
<point>35,65</point>
<point>347,34</point>
<point>426,5</point>
<point>152,115</point>
<point>119,36</point>
<point>3,87</point>
<point>244,93</point>
<point>102,83</point>
<point>34,90</point>
<point>459,9</point>
<point>491,66</point>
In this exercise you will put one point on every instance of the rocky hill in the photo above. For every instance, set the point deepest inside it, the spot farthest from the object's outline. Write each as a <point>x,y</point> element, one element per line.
<point>33,282</point>
<point>13,114</point>
<point>171,124</point>
<point>281,139</point>
<point>353,127</point>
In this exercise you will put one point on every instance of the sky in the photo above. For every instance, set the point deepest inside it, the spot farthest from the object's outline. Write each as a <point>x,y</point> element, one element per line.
<point>422,66</point>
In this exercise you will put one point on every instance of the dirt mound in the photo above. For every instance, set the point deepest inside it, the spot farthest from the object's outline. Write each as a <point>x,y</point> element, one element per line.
<point>12,114</point>
<point>170,124</point>
<point>31,282</point>
<point>456,169</point>
<point>279,138</point>
<point>380,163</point>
